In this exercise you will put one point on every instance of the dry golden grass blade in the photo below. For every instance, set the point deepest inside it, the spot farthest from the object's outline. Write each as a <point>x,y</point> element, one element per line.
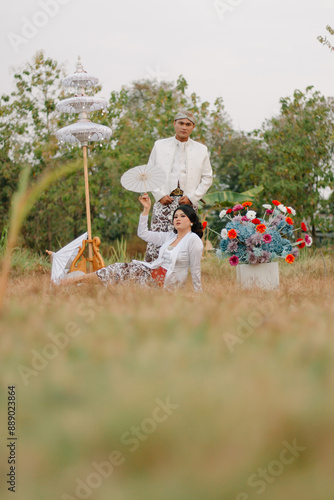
<point>246,379</point>
<point>22,202</point>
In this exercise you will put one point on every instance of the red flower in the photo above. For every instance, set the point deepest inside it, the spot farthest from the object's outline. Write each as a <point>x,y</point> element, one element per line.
<point>288,210</point>
<point>303,226</point>
<point>229,210</point>
<point>232,234</point>
<point>247,204</point>
<point>204,224</point>
<point>275,202</point>
<point>301,243</point>
<point>261,228</point>
<point>256,221</point>
<point>289,258</point>
<point>237,207</point>
<point>289,221</point>
<point>267,238</point>
<point>234,260</point>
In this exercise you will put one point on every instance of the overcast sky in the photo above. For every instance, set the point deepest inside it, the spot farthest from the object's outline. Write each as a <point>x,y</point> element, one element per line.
<point>250,52</point>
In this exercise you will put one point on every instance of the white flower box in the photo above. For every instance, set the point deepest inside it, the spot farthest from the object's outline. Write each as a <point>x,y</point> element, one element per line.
<point>264,276</point>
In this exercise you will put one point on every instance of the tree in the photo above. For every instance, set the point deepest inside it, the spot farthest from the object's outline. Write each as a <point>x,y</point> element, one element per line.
<point>9,174</point>
<point>237,156</point>
<point>28,122</point>
<point>28,116</point>
<point>297,153</point>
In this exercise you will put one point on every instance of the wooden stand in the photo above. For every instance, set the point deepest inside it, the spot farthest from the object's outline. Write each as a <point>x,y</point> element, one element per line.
<point>91,263</point>
<point>89,226</point>
<point>94,261</point>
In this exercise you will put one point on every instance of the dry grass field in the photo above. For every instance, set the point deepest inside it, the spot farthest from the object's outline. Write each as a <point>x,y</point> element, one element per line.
<point>131,394</point>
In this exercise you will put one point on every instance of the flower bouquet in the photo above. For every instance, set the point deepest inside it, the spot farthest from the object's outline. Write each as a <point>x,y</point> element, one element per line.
<point>248,239</point>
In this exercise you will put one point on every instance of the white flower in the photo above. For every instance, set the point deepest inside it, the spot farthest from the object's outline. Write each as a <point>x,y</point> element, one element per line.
<point>223,234</point>
<point>293,211</point>
<point>282,208</point>
<point>268,207</point>
<point>251,214</point>
<point>222,214</point>
<point>308,240</point>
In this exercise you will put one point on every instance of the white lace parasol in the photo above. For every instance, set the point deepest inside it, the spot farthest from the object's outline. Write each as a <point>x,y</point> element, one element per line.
<point>143,178</point>
<point>83,132</point>
<point>81,103</point>
<point>80,79</point>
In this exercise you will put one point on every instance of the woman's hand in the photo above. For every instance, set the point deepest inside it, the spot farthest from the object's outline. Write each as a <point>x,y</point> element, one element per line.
<point>145,200</point>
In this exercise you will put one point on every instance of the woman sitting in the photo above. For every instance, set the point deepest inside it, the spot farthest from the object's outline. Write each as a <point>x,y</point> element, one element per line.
<point>180,250</point>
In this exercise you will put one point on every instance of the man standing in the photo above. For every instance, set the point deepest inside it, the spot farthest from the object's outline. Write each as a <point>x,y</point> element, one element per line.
<point>188,174</point>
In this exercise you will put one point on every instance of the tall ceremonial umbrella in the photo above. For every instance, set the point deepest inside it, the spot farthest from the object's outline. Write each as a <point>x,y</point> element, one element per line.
<point>83,131</point>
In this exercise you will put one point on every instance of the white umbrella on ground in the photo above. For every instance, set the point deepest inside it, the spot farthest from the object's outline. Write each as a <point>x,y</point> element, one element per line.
<point>62,260</point>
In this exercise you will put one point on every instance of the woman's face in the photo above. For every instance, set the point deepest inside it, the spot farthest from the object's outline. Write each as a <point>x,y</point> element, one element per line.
<point>181,221</point>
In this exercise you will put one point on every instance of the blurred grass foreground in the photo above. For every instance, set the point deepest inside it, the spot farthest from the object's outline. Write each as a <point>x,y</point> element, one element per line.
<point>131,394</point>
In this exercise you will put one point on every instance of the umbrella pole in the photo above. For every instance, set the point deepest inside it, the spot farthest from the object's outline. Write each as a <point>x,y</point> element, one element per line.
<point>89,227</point>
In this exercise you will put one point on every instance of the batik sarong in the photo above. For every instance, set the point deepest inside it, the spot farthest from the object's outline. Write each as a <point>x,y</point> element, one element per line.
<point>133,273</point>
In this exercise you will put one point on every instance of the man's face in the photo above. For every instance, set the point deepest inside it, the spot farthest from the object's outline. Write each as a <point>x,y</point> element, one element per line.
<point>183,129</point>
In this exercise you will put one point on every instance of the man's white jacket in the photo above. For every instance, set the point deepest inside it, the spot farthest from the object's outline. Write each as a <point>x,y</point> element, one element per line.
<point>198,176</point>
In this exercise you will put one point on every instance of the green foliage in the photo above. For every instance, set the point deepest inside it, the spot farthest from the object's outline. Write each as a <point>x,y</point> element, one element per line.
<point>298,145</point>
<point>28,116</point>
<point>26,262</point>
<point>3,241</point>
<point>28,122</point>
<point>290,155</point>
<point>238,154</point>
<point>228,198</point>
<point>118,252</point>
<point>324,40</point>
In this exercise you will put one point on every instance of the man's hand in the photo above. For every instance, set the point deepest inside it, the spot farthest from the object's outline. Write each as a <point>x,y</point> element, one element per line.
<point>185,201</point>
<point>166,200</point>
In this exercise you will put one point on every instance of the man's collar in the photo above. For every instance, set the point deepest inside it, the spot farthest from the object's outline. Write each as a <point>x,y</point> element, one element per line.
<point>186,143</point>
